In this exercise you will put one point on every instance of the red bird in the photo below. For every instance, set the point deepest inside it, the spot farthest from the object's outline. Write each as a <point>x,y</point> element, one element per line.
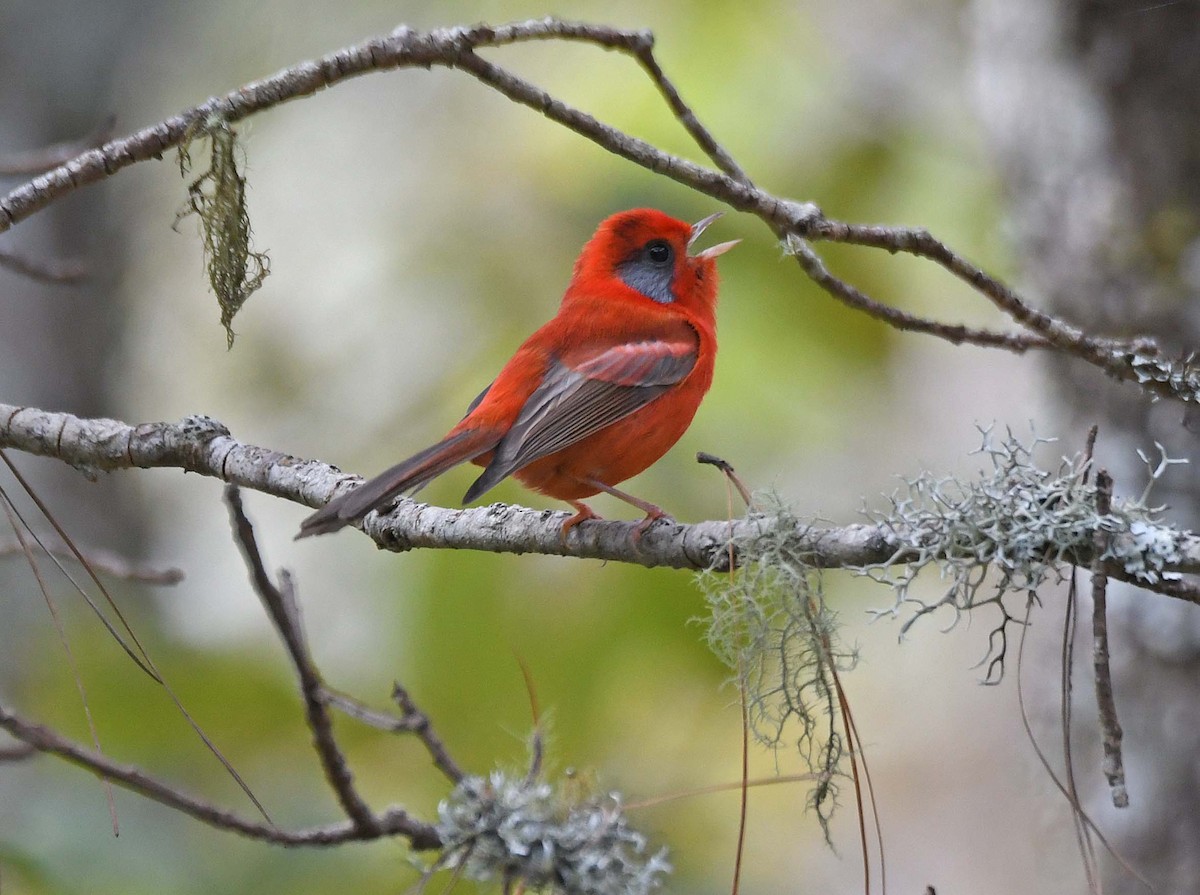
<point>596,395</point>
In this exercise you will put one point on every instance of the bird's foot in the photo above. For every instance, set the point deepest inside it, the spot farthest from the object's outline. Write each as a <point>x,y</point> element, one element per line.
<point>653,514</point>
<point>582,513</point>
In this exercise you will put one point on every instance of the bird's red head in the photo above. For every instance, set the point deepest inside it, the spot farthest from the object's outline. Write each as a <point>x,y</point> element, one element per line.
<point>646,251</point>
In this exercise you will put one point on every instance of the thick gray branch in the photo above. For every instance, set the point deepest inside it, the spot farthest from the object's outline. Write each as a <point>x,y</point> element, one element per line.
<point>200,444</point>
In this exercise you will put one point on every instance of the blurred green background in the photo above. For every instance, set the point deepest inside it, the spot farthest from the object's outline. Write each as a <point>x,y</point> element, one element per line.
<point>419,227</point>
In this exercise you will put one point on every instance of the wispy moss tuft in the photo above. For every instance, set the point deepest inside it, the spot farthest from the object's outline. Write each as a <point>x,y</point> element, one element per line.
<point>770,625</point>
<point>218,198</point>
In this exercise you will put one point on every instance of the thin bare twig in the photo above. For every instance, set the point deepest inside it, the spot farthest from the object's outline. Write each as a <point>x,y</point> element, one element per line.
<point>106,562</point>
<point>19,752</point>
<point>16,522</point>
<point>422,727</point>
<point>404,48</point>
<point>857,753</point>
<point>744,794</point>
<point>1076,808</point>
<point>1114,766</point>
<point>62,272</point>
<point>284,612</point>
<point>1140,360</point>
<point>392,822</point>
<point>1083,836</point>
<point>730,475</point>
<point>956,334</point>
<point>683,112</point>
<point>127,646</point>
<point>35,161</point>
<point>413,721</point>
<point>134,649</point>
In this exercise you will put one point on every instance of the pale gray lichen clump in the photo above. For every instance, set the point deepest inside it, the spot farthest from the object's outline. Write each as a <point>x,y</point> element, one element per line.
<point>1011,530</point>
<point>513,829</point>
<point>1016,527</point>
<point>1180,377</point>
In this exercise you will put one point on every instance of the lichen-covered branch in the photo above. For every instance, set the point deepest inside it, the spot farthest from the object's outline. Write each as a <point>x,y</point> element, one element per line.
<point>202,445</point>
<point>532,834</point>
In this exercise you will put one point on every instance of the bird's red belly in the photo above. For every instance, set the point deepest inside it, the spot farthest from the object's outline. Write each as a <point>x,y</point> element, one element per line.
<point>617,452</point>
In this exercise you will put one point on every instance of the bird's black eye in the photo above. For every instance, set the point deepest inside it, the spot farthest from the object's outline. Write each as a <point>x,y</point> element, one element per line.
<point>649,269</point>
<point>658,251</point>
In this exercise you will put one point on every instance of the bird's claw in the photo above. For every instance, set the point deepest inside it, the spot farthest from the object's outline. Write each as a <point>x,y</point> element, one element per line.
<point>584,513</point>
<point>644,526</point>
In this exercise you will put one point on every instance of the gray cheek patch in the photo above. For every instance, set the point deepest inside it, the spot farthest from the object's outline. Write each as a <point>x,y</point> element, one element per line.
<point>652,280</point>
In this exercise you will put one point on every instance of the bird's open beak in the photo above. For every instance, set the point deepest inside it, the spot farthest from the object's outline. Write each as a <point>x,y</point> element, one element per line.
<point>712,252</point>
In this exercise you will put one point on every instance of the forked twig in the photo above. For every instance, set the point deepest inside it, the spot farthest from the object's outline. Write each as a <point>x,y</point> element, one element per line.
<point>411,720</point>
<point>284,612</point>
<point>392,822</point>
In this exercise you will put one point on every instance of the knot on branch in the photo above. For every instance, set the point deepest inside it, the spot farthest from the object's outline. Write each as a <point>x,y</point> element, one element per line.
<point>199,427</point>
<point>796,217</point>
<point>528,832</point>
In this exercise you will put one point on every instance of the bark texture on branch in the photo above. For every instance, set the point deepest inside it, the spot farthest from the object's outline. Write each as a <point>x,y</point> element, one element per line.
<point>203,445</point>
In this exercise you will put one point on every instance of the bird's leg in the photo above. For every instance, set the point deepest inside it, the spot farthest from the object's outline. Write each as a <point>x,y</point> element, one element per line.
<point>582,513</point>
<point>652,511</point>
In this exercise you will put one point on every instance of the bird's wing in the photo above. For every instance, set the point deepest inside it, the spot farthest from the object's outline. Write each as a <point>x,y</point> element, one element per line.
<point>581,394</point>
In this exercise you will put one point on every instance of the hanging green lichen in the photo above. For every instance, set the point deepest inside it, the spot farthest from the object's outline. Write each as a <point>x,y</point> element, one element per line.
<point>218,198</point>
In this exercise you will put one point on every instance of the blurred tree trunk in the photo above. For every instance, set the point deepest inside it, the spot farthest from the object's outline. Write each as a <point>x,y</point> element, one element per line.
<point>56,63</point>
<point>1093,112</point>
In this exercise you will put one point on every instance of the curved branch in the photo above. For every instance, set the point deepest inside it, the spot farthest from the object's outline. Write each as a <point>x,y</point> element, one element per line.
<point>1140,361</point>
<point>393,822</point>
<point>407,48</point>
<point>956,334</point>
<point>201,444</point>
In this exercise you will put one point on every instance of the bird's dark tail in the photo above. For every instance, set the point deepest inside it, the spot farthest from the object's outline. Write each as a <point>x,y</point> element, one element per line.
<point>409,475</point>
